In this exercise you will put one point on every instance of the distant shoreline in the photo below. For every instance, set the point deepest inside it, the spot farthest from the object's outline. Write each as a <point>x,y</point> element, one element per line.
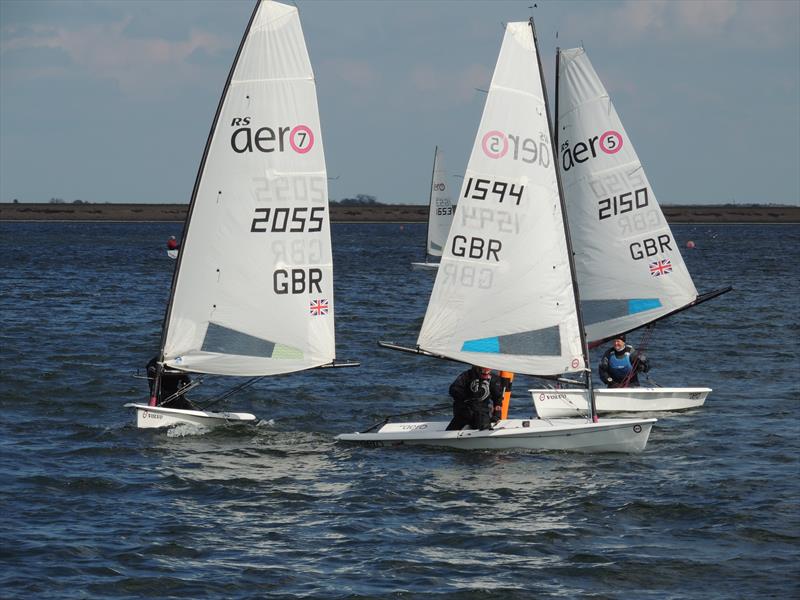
<point>377,213</point>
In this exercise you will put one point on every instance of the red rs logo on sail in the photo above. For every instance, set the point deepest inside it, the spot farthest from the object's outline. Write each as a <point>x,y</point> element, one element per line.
<point>299,138</point>
<point>609,142</point>
<point>496,144</point>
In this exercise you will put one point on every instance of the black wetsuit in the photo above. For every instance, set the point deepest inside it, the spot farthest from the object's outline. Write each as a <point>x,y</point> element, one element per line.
<point>474,400</point>
<point>171,382</point>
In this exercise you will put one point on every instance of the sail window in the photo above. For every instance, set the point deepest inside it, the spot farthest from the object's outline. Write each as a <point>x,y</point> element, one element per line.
<point>541,342</point>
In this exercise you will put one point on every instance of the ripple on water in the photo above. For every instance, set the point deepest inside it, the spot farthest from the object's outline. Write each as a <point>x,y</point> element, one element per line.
<point>98,509</point>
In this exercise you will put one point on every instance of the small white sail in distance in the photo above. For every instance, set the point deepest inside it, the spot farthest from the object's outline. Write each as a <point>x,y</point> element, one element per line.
<point>629,268</point>
<point>503,296</point>
<point>441,208</point>
<point>253,290</point>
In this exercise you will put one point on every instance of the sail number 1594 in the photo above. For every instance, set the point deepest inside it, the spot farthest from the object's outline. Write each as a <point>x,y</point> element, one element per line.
<point>480,189</point>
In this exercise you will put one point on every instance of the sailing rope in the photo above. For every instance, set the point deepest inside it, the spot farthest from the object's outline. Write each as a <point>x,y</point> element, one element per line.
<point>181,391</point>
<point>234,390</point>
<point>642,347</point>
<point>406,414</point>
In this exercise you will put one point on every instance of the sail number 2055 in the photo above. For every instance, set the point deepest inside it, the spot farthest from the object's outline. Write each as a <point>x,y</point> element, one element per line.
<point>293,220</point>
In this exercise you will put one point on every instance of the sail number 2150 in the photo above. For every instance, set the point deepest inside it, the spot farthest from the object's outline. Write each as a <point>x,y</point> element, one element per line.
<point>292,220</point>
<point>479,189</point>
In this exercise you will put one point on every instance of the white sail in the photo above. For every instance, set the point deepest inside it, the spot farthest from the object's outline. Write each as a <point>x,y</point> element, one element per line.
<point>629,268</point>
<point>253,294</point>
<point>503,296</point>
<point>440,214</point>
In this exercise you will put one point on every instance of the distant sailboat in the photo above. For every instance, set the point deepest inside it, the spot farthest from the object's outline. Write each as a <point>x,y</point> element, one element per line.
<point>252,292</point>
<point>440,214</point>
<point>504,295</point>
<point>630,271</point>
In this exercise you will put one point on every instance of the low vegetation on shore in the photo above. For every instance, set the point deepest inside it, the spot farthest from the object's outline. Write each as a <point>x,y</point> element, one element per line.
<point>366,212</point>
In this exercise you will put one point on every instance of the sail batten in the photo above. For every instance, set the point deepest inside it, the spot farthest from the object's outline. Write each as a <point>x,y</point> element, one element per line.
<point>629,268</point>
<point>253,294</point>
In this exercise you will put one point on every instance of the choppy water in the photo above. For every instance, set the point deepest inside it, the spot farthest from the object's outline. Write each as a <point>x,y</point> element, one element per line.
<point>93,508</point>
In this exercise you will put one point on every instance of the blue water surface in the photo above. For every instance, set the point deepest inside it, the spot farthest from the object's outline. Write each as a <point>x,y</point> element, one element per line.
<point>94,508</point>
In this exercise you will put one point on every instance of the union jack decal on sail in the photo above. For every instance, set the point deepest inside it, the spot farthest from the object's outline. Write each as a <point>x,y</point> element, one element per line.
<point>660,267</point>
<point>319,307</point>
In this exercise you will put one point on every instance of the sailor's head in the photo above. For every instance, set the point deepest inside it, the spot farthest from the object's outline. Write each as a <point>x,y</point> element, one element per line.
<point>483,372</point>
<point>619,342</point>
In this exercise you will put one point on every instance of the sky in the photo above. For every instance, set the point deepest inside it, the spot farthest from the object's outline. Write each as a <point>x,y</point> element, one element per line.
<point>112,101</point>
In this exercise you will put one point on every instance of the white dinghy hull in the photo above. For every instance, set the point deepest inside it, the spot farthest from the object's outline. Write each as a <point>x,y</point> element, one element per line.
<point>424,266</point>
<point>553,404</point>
<point>577,435</point>
<point>151,417</point>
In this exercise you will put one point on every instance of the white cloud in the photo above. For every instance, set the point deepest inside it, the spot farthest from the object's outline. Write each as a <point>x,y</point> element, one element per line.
<point>449,85</point>
<point>705,18</point>
<point>138,66</point>
<point>737,23</point>
<point>357,73</point>
<point>773,24</point>
<point>642,17</point>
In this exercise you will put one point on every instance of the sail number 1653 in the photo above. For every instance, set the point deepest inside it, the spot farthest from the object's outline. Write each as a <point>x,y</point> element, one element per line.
<point>480,189</point>
<point>293,220</point>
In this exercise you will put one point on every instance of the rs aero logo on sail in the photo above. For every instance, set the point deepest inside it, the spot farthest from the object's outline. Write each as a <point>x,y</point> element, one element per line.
<point>295,138</point>
<point>609,142</point>
<point>496,144</point>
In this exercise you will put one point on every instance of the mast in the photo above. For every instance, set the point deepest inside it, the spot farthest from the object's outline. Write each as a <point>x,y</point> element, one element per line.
<point>197,180</point>
<point>430,202</point>
<point>555,118</point>
<point>570,254</point>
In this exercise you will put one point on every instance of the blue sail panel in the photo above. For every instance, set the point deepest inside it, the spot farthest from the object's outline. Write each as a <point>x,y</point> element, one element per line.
<point>540,342</point>
<point>642,304</point>
<point>597,311</point>
<point>491,345</point>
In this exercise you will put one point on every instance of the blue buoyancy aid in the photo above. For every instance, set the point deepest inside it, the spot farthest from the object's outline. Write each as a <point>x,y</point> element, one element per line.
<point>619,366</point>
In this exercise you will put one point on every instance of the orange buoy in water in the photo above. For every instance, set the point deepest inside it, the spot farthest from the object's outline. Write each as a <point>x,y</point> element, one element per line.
<point>690,244</point>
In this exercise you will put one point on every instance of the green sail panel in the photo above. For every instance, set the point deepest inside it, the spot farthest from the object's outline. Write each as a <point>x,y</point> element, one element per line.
<point>223,340</point>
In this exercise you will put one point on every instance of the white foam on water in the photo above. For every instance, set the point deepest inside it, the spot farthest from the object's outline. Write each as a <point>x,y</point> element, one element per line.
<point>186,429</point>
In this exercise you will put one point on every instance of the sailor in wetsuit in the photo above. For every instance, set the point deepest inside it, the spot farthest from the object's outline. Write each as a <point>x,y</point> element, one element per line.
<point>171,382</point>
<point>477,399</point>
<point>621,363</point>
